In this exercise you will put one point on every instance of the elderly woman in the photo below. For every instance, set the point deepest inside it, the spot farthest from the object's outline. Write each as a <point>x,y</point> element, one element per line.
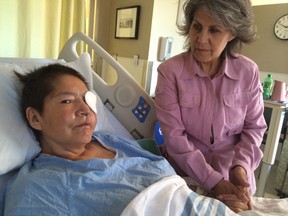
<point>209,101</point>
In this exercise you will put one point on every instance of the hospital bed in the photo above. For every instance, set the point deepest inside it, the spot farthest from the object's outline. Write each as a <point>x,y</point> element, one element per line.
<point>125,109</point>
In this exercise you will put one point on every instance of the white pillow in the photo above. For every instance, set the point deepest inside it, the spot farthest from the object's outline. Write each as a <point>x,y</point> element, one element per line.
<point>17,141</point>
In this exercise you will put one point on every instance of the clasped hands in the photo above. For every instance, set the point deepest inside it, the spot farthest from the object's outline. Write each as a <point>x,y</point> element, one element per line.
<point>234,193</point>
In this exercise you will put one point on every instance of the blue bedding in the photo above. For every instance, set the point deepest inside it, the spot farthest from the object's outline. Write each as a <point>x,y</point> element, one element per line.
<point>50,185</point>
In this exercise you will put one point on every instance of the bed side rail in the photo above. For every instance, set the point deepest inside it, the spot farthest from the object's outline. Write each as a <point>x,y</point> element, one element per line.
<point>126,99</point>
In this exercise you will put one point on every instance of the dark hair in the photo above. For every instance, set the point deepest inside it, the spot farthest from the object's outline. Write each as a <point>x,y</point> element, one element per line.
<point>40,83</point>
<point>235,15</point>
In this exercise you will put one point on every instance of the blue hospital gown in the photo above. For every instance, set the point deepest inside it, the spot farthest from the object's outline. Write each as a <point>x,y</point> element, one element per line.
<point>49,185</point>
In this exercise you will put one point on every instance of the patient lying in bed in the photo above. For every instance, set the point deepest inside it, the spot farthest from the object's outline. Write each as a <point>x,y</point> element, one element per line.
<point>74,174</point>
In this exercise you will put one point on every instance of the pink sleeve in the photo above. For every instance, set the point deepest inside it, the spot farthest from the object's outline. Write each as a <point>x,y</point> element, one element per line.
<point>247,151</point>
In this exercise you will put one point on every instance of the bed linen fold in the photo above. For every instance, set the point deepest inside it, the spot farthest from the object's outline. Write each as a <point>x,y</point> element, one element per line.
<point>171,196</point>
<point>267,207</point>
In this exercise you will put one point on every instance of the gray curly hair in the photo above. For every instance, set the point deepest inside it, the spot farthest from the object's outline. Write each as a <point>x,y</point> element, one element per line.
<point>235,15</point>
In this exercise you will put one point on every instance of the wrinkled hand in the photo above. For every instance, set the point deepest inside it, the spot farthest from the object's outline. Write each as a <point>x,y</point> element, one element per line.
<point>227,187</point>
<point>237,198</point>
<point>238,177</point>
<point>234,203</point>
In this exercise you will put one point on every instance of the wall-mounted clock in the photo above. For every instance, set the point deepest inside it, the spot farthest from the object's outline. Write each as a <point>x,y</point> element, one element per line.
<point>281,27</point>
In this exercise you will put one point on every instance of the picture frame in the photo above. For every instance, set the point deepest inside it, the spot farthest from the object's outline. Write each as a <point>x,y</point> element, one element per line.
<point>127,22</point>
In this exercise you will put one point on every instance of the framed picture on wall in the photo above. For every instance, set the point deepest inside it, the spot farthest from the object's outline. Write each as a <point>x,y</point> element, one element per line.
<point>127,22</point>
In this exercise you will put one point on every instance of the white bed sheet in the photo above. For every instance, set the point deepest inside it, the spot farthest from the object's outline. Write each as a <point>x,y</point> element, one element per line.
<point>172,197</point>
<point>268,207</point>
<point>169,197</point>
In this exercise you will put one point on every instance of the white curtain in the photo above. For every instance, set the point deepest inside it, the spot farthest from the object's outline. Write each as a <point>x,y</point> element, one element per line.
<point>40,28</point>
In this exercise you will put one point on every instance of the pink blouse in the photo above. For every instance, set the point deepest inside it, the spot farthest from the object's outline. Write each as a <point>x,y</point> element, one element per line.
<point>193,108</point>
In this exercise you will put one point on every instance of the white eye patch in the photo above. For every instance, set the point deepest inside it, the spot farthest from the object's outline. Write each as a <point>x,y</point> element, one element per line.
<point>91,100</point>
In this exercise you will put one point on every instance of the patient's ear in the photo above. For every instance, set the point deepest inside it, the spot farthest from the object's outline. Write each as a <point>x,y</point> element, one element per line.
<point>33,118</point>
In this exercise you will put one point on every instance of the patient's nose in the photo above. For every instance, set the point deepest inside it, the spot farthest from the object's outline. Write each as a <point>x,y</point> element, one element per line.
<point>84,109</point>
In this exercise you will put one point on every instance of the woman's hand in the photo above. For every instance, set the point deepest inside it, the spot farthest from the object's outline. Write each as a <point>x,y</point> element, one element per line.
<point>226,187</point>
<point>235,197</point>
<point>238,176</point>
<point>234,203</point>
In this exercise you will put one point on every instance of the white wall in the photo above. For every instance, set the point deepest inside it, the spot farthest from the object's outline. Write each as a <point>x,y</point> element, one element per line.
<point>164,25</point>
<point>164,20</point>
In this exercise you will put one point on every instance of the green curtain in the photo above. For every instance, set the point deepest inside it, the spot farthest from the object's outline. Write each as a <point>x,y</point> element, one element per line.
<point>39,28</point>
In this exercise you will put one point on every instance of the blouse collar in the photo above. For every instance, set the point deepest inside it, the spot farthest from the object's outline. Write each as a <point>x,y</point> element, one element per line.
<point>192,68</point>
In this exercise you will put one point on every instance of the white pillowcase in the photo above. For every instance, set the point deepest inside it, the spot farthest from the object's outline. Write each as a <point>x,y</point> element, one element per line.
<point>17,141</point>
